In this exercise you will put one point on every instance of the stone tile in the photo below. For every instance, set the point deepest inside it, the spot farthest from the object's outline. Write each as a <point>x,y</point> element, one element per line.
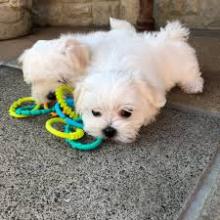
<point>207,102</point>
<point>41,177</point>
<point>208,50</point>
<point>129,10</point>
<point>101,9</point>
<point>196,13</point>
<point>77,14</point>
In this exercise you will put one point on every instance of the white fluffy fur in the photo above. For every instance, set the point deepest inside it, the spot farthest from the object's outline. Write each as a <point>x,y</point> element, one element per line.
<point>48,63</point>
<point>133,72</point>
<point>125,71</point>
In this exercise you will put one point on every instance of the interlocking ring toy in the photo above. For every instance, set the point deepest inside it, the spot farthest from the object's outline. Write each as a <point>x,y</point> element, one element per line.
<point>17,111</point>
<point>64,109</point>
<point>61,93</point>
<point>75,123</point>
<point>77,145</point>
<point>77,134</point>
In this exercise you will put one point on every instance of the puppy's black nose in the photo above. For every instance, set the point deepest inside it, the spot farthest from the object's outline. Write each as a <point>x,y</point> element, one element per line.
<point>109,132</point>
<point>51,96</point>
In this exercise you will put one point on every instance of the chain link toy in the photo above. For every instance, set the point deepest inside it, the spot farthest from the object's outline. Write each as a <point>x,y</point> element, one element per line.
<point>64,109</point>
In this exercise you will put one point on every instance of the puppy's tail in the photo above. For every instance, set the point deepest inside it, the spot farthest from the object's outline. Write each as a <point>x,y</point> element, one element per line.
<point>175,31</point>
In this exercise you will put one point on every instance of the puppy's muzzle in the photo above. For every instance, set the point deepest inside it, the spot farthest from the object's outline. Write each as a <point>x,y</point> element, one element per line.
<point>109,132</point>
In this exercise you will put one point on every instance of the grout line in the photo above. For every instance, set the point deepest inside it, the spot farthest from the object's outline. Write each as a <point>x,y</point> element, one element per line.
<point>11,66</point>
<point>12,63</point>
<point>193,109</point>
<point>208,184</point>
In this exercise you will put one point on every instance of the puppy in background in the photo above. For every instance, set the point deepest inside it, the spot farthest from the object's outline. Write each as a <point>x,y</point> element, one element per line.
<point>49,63</point>
<point>126,84</point>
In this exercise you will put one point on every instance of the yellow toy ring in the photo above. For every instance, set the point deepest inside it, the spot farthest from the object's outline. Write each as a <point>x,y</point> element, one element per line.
<point>60,95</point>
<point>19,102</point>
<point>72,136</point>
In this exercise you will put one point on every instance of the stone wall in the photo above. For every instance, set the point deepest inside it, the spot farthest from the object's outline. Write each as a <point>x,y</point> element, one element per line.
<point>83,12</point>
<point>204,14</point>
<point>16,16</point>
<point>195,13</point>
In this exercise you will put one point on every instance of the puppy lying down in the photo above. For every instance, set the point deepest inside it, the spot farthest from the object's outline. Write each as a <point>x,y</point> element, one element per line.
<point>121,77</point>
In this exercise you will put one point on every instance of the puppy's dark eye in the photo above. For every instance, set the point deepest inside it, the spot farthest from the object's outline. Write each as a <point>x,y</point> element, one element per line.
<point>51,96</point>
<point>96,113</point>
<point>125,113</point>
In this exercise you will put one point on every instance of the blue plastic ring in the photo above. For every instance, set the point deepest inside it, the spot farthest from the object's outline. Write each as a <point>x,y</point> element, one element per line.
<point>75,123</point>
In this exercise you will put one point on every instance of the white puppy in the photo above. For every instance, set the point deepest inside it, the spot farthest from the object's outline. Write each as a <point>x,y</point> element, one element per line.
<point>49,63</point>
<point>129,75</point>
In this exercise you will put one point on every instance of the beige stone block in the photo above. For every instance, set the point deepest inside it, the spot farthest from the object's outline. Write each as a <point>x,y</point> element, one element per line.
<point>20,3</point>
<point>77,14</point>
<point>10,15</point>
<point>103,10</point>
<point>105,1</point>
<point>15,20</point>
<point>77,9</point>
<point>210,15</point>
<point>47,13</point>
<point>77,21</point>
<point>76,1</point>
<point>129,10</point>
<point>17,28</point>
<point>192,6</point>
<point>186,11</point>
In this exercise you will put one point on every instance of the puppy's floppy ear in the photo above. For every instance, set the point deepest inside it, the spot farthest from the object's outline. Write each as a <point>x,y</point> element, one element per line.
<point>78,53</point>
<point>155,96</point>
<point>78,95</point>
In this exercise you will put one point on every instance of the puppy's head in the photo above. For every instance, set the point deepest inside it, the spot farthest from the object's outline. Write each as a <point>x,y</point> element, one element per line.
<point>50,63</point>
<point>116,108</point>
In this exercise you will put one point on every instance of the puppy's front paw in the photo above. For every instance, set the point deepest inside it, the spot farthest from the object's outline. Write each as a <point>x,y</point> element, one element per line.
<point>194,86</point>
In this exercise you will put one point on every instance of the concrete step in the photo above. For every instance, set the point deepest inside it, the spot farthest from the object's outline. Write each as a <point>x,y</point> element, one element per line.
<point>153,178</point>
<point>207,45</point>
<point>207,102</point>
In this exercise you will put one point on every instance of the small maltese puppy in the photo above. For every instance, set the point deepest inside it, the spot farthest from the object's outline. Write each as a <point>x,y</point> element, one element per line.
<point>49,63</point>
<point>126,83</point>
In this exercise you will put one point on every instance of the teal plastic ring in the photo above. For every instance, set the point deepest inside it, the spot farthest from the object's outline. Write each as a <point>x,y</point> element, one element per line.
<point>28,111</point>
<point>77,145</point>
